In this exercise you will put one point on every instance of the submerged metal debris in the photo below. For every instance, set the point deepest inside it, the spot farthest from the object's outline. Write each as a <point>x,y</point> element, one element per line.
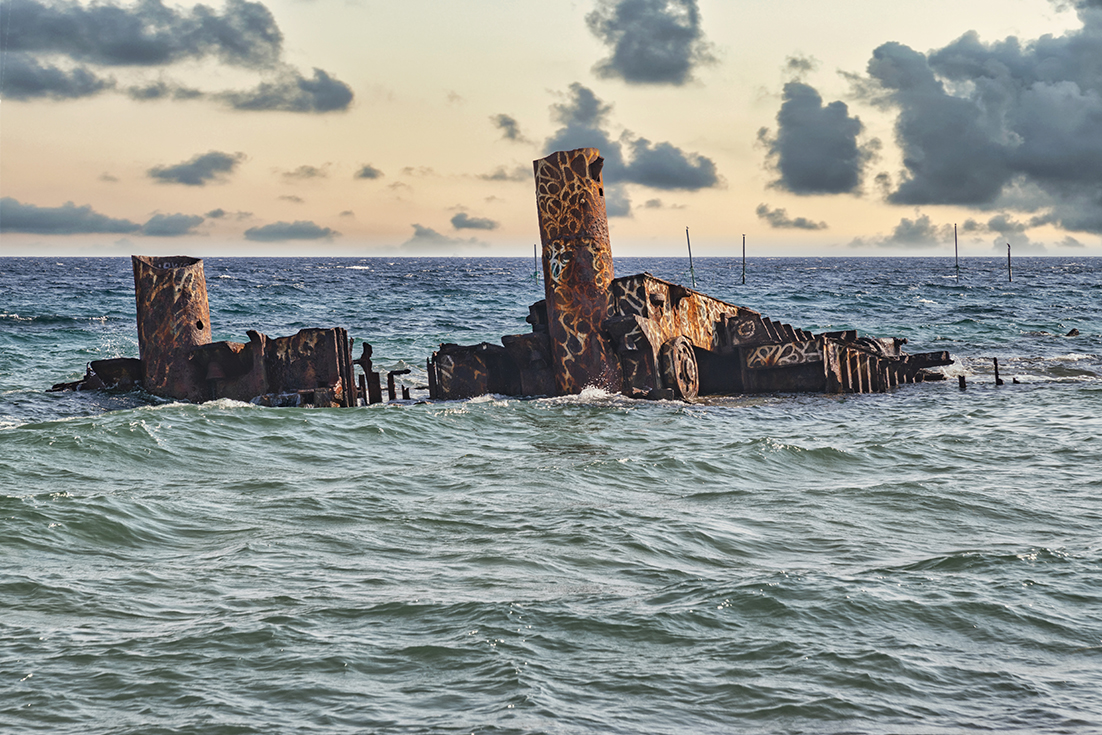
<point>638,335</point>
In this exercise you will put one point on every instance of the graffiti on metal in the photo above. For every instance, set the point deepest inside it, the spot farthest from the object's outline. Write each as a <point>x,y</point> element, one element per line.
<point>782,355</point>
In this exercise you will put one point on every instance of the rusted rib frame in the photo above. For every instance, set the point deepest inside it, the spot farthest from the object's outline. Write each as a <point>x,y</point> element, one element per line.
<point>431,366</point>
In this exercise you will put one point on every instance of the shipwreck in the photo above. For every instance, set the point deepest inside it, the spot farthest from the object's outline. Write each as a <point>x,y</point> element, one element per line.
<point>637,335</point>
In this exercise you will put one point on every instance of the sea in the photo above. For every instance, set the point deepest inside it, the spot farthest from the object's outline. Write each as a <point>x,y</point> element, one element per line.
<point>927,560</point>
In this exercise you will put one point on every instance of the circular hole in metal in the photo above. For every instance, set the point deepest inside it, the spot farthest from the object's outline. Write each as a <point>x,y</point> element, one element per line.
<point>199,325</point>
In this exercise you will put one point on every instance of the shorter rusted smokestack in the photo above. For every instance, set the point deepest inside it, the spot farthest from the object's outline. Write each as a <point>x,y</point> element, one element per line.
<point>173,319</point>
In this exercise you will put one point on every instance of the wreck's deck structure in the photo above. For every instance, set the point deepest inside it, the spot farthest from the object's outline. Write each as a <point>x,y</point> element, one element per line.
<point>674,342</point>
<point>646,337</point>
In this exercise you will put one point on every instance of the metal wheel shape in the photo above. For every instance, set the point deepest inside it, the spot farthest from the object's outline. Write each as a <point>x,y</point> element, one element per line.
<point>679,368</point>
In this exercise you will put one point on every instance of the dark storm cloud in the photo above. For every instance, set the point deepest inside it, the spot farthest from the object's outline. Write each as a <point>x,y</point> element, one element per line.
<point>152,34</point>
<point>779,219</point>
<point>292,92</point>
<point>171,225</point>
<point>200,170</point>
<point>297,230</point>
<point>148,33</point>
<point>464,221</point>
<point>25,78</point>
<point>662,166</point>
<point>651,41</point>
<point>584,117</point>
<point>978,121</point>
<point>509,127</point>
<point>68,219</point>
<point>815,150</point>
<point>584,120</point>
<point>367,171</point>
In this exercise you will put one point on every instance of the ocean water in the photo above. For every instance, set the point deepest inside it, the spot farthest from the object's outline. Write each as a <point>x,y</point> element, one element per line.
<point>928,560</point>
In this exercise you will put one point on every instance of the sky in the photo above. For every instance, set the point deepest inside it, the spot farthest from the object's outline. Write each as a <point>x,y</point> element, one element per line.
<point>365,128</point>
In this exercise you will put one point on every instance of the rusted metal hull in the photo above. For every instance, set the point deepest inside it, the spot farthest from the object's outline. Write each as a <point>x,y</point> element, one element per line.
<point>639,335</point>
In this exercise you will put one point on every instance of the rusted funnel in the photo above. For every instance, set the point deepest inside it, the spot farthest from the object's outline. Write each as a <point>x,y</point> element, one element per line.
<point>173,319</point>
<point>577,268</point>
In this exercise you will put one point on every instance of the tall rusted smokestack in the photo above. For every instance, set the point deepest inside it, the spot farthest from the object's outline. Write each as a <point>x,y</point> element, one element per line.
<point>577,268</point>
<point>173,319</point>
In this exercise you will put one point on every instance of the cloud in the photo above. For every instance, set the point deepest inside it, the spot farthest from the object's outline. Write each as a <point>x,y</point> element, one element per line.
<point>651,41</point>
<point>1007,230</point>
<point>916,233</point>
<point>25,78</point>
<point>171,225</point>
<point>520,173</point>
<point>222,214</point>
<point>617,202</point>
<point>292,92</point>
<point>584,120</point>
<point>200,170</point>
<point>367,171</point>
<point>798,66</point>
<point>662,166</point>
<point>426,240</point>
<point>463,221</point>
<point>151,34</point>
<point>308,172</point>
<point>978,122</point>
<point>160,90</point>
<point>292,198</point>
<point>297,230</point>
<point>815,150</point>
<point>68,219</point>
<point>148,33</point>
<point>509,127</point>
<point>779,219</point>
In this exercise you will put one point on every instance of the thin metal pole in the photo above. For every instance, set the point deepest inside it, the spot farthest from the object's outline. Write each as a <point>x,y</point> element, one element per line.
<point>956,251</point>
<point>690,246</point>
<point>1009,272</point>
<point>744,258</point>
